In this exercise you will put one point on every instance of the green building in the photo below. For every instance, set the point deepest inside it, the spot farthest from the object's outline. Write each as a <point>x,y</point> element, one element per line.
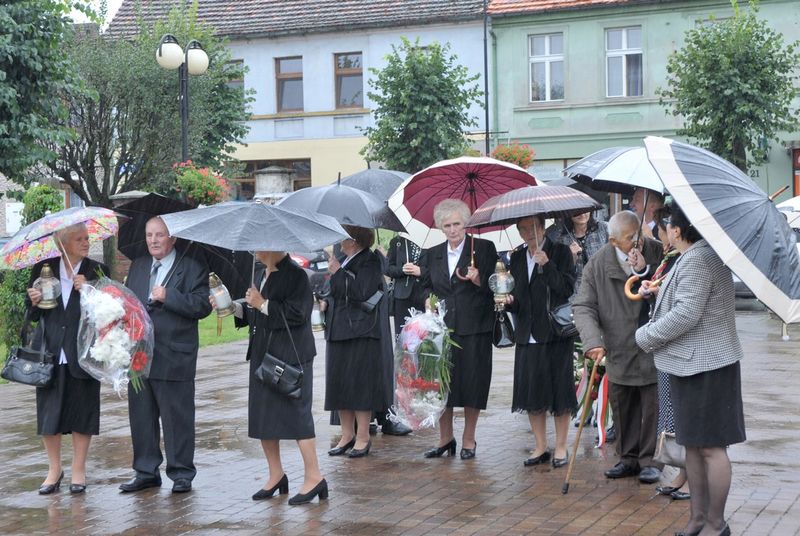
<point>575,76</point>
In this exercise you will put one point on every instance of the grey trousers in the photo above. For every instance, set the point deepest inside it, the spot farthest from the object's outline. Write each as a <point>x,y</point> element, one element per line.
<point>636,417</point>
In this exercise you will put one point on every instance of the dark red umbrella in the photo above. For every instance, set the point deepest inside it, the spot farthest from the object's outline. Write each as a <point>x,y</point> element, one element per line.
<point>471,179</point>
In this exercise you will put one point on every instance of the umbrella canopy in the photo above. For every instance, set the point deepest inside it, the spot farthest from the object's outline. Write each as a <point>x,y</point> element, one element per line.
<point>616,169</point>
<point>231,266</point>
<point>36,241</point>
<point>791,210</point>
<point>737,219</point>
<point>471,179</point>
<point>546,201</point>
<point>379,182</point>
<point>255,226</point>
<point>347,205</point>
<point>598,195</point>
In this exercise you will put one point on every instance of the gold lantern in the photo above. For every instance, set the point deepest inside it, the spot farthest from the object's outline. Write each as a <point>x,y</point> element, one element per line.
<point>501,282</point>
<point>49,286</point>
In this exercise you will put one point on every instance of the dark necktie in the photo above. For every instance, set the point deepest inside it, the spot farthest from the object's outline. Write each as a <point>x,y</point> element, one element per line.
<point>153,275</point>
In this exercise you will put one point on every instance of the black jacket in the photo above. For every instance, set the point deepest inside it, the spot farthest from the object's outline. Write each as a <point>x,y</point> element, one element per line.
<point>406,287</point>
<point>530,297</point>
<point>349,286</point>
<point>469,309</point>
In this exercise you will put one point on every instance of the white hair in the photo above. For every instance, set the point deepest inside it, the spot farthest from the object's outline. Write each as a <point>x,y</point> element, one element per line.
<point>621,222</point>
<point>449,207</point>
<point>62,235</point>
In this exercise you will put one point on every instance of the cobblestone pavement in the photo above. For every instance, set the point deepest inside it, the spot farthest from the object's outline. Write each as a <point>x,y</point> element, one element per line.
<point>395,490</point>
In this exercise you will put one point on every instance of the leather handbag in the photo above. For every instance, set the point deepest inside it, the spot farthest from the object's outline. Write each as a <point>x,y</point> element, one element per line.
<point>278,375</point>
<point>561,319</point>
<point>668,451</point>
<point>372,302</point>
<point>29,365</point>
<point>503,332</point>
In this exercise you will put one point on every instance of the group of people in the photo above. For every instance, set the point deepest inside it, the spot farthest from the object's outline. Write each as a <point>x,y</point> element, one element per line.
<point>663,374</point>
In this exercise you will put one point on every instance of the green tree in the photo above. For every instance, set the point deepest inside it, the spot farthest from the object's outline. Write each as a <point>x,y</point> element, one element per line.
<point>127,122</point>
<point>38,201</point>
<point>733,82</point>
<point>34,74</point>
<point>421,107</point>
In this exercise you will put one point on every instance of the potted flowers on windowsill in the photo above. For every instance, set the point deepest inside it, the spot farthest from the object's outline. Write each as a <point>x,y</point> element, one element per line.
<point>199,186</point>
<point>521,155</point>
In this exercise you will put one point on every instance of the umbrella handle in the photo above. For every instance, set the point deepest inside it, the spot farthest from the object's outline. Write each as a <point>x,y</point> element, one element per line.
<point>633,279</point>
<point>471,263</point>
<point>592,376</point>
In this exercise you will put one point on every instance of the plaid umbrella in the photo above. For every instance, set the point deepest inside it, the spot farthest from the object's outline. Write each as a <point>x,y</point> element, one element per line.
<point>547,201</point>
<point>36,241</point>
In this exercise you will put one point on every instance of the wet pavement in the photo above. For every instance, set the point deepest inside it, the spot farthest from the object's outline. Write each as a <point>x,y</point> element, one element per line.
<point>395,490</point>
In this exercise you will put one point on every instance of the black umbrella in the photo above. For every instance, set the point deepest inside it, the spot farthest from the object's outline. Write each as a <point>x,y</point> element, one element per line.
<point>379,182</point>
<point>737,218</point>
<point>546,201</point>
<point>347,205</point>
<point>232,267</point>
<point>598,195</point>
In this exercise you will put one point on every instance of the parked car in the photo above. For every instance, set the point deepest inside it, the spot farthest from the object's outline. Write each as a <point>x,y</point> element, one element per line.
<point>315,263</point>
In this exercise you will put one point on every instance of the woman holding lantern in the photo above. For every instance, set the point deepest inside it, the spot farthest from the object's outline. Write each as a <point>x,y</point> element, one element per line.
<point>544,380</point>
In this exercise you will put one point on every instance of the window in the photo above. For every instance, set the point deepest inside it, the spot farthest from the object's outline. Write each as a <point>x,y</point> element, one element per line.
<point>546,56</point>
<point>349,80</point>
<point>624,62</point>
<point>235,81</point>
<point>289,79</point>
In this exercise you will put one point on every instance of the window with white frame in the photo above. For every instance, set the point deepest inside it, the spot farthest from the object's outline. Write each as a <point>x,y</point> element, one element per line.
<point>546,57</point>
<point>624,62</point>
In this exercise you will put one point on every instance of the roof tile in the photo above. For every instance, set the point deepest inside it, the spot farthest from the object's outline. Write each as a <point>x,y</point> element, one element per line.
<point>519,7</point>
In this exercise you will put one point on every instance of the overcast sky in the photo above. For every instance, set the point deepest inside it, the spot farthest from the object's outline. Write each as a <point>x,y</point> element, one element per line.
<point>113,6</point>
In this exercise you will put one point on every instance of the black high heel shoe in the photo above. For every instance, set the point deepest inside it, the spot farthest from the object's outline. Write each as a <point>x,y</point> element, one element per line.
<point>282,487</point>
<point>468,454</point>
<point>436,452</point>
<point>320,489</point>
<point>338,451</point>
<point>77,488</point>
<point>47,489</point>
<point>360,453</point>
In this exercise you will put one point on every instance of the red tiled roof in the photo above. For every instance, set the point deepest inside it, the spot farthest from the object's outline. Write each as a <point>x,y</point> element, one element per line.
<point>273,18</point>
<point>508,7</point>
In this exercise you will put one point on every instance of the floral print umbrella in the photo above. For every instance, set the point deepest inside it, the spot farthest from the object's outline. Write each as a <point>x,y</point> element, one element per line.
<point>35,242</point>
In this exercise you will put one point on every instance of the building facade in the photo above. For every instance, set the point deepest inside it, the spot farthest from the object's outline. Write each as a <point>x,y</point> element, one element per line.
<point>576,76</point>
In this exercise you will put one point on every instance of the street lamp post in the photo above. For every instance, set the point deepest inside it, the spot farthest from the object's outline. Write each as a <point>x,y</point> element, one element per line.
<point>192,60</point>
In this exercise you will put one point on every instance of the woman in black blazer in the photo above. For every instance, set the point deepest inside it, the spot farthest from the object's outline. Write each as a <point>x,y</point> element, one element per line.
<point>354,376</point>
<point>469,312</point>
<point>72,404</point>
<point>403,266</point>
<point>544,379</point>
<point>283,297</point>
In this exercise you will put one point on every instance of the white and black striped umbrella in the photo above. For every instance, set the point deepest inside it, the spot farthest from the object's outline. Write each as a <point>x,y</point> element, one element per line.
<point>737,218</point>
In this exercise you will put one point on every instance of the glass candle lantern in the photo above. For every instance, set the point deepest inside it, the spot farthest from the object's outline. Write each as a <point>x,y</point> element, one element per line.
<point>49,286</point>
<point>221,295</point>
<point>501,282</point>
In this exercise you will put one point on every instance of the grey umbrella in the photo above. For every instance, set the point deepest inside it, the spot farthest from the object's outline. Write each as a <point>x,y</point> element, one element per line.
<point>737,219</point>
<point>543,200</point>
<point>379,182</point>
<point>255,226</point>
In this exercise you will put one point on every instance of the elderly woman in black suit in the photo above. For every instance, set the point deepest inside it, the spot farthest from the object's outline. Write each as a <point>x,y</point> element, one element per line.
<point>72,404</point>
<point>355,376</point>
<point>544,379</point>
<point>282,299</point>
<point>469,312</point>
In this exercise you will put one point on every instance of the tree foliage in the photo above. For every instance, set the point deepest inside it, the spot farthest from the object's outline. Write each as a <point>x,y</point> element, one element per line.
<point>733,82</point>
<point>127,122</point>
<point>421,101</point>
<point>34,74</point>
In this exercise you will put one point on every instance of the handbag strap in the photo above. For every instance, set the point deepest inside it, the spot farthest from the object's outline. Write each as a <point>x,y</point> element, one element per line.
<point>288,332</point>
<point>26,324</point>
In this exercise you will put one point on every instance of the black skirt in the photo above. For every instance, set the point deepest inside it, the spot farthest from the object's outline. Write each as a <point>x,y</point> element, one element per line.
<point>69,405</point>
<point>354,375</point>
<point>708,408</point>
<point>471,374</point>
<point>544,378</point>
<point>274,416</point>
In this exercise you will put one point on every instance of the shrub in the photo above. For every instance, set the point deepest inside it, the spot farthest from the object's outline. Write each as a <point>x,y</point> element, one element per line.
<point>199,185</point>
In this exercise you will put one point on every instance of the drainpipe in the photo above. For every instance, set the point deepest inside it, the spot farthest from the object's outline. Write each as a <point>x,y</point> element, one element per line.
<point>494,86</point>
<point>486,75</point>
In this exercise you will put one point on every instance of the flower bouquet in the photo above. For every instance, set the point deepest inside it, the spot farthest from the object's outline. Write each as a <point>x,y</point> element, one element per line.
<point>115,336</point>
<point>422,369</point>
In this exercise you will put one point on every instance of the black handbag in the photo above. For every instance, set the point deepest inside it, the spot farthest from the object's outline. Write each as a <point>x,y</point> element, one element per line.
<point>28,365</point>
<point>503,332</point>
<point>281,377</point>
<point>372,302</point>
<point>562,321</point>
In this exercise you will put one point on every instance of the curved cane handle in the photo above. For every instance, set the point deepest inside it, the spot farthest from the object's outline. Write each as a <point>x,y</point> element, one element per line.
<point>628,284</point>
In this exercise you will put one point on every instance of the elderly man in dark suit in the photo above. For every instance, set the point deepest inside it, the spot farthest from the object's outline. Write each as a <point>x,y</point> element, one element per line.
<point>175,288</point>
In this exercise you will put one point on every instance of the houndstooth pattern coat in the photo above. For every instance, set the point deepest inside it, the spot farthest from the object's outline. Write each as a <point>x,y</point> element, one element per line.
<point>693,324</point>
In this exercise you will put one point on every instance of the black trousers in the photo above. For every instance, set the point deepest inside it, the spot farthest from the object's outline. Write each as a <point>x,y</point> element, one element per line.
<point>171,402</point>
<point>636,417</point>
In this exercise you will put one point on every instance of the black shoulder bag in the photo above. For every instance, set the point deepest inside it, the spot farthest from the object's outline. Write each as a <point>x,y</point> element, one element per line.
<point>28,365</point>
<point>561,319</point>
<point>281,377</point>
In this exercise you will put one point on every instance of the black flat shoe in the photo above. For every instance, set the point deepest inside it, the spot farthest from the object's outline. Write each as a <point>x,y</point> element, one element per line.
<point>360,453</point>
<point>320,490</point>
<point>138,484</point>
<point>695,533</point>
<point>182,485</point>
<point>436,452</point>
<point>679,495</point>
<point>338,451</point>
<point>77,488</point>
<point>395,428</point>
<point>560,462</point>
<point>468,454</point>
<point>544,457</point>
<point>666,490</point>
<point>621,470</point>
<point>282,487</point>
<point>47,489</point>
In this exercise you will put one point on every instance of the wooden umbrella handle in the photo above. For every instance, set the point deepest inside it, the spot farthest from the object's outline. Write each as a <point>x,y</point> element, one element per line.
<point>584,413</point>
<point>628,284</point>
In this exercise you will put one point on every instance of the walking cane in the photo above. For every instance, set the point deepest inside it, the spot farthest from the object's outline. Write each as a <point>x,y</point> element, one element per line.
<point>565,487</point>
